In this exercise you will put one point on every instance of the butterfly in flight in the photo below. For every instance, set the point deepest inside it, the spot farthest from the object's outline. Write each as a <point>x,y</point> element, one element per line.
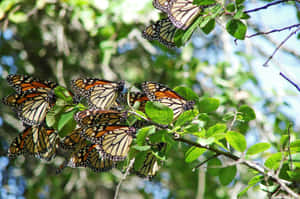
<point>37,141</point>
<point>114,141</point>
<point>160,93</point>
<point>100,94</point>
<point>93,117</point>
<point>34,98</point>
<point>163,31</point>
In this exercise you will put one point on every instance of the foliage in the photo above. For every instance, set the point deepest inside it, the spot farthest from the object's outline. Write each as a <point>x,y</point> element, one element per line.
<point>61,40</point>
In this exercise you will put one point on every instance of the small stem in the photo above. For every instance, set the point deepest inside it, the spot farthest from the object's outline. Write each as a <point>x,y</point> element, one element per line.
<point>289,143</point>
<point>123,178</point>
<point>293,83</point>
<point>279,46</point>
<point>274,30</point>
<point>260,169</point>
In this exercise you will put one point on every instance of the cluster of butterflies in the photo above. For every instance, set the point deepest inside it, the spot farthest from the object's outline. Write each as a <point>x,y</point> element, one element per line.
<point>180,15</point>
<point>102,138</point>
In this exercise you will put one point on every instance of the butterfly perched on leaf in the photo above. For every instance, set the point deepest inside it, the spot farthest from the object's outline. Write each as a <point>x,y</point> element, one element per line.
<point>33,100</point>
<point>163,31</point>
<point>150,165</point>
<point>166,96</point>
<point>37,141</point>
<point>92,117</point>
<point>114,141</point>
<point>88,156</point>
<point>100,94</point>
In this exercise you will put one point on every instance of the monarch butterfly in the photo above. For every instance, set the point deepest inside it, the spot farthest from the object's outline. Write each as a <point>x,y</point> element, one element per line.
<point>34,100</point>
<point>100,94</point>
<point>160,93</point>
<point>139,97</point>
<point>73,140</point>
<point>25,84</point>
<point>96,160</point>
<point>182,13</point>
<point>77,159</point>
<point>150,165</point>
<point>99,117</point>
<point>88,156</point>
<point>37,141</point>
<point>163,5</point>
<point>163,30</point>
<point>114,141</point>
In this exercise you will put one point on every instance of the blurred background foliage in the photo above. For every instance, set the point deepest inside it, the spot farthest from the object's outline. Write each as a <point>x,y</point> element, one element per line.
<point>60,40</point>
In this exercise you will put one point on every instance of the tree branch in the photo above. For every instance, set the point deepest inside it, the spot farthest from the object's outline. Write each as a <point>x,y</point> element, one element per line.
<point>260,169</point>
<point>279,46</point>
<point>123,178</point>
<point>293,83</point>
<point>266,6</point>
<point>274,30</point>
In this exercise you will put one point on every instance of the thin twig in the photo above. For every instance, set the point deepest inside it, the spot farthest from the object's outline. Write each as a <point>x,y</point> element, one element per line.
<point>202,163</point>
<point>278,47</point>
<point>266,6</point>
<point>123,178</point>
<point>260,169</point>
<point>289,143</point>
<point>293,83</point>
<point>274,30</point>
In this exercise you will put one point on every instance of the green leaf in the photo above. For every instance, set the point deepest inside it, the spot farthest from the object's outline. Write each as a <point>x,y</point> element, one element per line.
<point>247,113</point>
<point>159,113</point>
<point>185,117</point>
<point>65,118</point>
<point>255,179</point>
<point>212,167</point>
<point>207,105</point>
<point>186,93</point>
<point>258,148</point>
<point>239,2</point>
<point>230,7</point>
<point>295,146</point>
<point>227,174</point>
<point>63,93</point>
<point>216,129</point>
<point>204,2</point>
<point>193,153</point>
<point>209,26</point>
<point>241,193</point>
<point>141,148</point>
<point>273,161</point>
<point>139,160</point>
<point>143,133</point>
<point>18,17</point>
<point>236,140</point>
<point>236,28</point>
<point>188,33</point>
